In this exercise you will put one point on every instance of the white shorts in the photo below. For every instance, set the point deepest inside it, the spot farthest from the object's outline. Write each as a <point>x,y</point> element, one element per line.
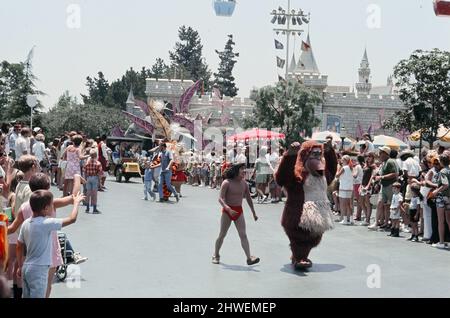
<point>395,214</point>
<point>345,194</point>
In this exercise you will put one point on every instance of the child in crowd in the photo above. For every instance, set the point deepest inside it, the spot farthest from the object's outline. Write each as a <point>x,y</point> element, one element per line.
<point>396,208</point>
<point>93,172</point>
<point>35,237</point>
<point>414,212</point>
<point>17,176</point>
<point>40,181</point>
<point>148,181</point>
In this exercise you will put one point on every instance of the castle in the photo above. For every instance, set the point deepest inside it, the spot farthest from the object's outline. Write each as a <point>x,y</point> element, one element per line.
<point>355,109</point>
<point>364,106</point>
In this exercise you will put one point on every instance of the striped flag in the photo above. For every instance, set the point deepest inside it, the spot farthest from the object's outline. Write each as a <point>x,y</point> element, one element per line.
<point>279,45</point>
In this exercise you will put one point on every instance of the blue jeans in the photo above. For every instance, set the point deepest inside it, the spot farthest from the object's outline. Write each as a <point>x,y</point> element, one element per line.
<point>35,280</point>
<point>148,188</point>
<point>92,183</point>
<point>165,177</point>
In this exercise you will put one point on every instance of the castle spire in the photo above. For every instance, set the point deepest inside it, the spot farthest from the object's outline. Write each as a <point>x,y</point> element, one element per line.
<point>130,99</point>
<point>293,64</point>
<point>364,86</point>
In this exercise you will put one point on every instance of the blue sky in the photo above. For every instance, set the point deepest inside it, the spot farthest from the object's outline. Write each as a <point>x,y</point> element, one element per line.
<point>115,35</point>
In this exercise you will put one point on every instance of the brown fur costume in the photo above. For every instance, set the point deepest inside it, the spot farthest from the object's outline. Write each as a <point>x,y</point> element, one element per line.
<point>291,175</point>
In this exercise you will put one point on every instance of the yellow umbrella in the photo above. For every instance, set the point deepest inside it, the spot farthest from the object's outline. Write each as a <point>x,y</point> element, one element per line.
<point>391,142</point>
<point>443,136</point>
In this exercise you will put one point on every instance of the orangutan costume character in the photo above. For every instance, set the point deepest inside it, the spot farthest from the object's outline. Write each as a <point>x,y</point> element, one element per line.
<point>305,175</point>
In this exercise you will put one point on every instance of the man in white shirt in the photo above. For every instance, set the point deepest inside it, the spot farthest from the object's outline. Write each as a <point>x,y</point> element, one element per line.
<point>12,137</point>
<point>23,143</point>
<point>411,169</point>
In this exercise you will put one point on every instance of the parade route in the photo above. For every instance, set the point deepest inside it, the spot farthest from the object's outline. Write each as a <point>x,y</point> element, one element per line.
<point>142,248</point>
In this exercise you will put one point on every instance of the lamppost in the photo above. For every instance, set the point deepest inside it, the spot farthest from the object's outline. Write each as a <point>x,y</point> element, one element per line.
<point>283,17</point>
<point>343,136</point>
<point>31,102</point>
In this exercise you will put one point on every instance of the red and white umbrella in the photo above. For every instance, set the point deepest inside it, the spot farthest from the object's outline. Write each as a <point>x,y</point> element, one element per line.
<point>256,134</point>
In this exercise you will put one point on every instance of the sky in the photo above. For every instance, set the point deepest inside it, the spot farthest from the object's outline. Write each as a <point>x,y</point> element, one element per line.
<point>77,38</point>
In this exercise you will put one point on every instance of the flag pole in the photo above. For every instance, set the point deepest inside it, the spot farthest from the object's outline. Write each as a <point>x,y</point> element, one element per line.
<point>288,33</point>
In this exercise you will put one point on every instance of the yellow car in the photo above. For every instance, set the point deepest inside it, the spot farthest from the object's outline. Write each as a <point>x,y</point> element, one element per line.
<point>123,165</point>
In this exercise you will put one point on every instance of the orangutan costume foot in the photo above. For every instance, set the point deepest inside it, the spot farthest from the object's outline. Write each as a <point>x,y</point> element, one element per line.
<point>303,265</point>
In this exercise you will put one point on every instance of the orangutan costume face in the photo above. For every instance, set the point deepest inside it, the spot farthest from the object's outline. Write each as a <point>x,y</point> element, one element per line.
<point>310,160</point>
<point>314,163</point>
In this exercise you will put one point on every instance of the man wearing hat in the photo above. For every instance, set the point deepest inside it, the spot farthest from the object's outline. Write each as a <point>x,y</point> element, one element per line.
<point>387,176</point>
<point>36,131</point>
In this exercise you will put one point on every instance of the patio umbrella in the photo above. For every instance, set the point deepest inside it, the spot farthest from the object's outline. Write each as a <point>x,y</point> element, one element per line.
<point>321,137</point>
<point>391,142</point>
<point>255,134</point>
<point>443,138</point>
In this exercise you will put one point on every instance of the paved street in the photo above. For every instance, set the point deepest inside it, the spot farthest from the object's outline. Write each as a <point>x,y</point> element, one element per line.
<point>146,249</point>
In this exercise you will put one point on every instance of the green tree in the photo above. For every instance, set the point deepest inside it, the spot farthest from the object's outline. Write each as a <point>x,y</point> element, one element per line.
<point>66,100</point>
<point>224,79</point>
<point>115,95</point>
<point>119,89</point>
<point>17,81</point>
<point>159,69</point>
<point>97,90</point>
<point>288,106</point>
<point>94,120</point>
<point>188,56</point>
<point>424,86</point>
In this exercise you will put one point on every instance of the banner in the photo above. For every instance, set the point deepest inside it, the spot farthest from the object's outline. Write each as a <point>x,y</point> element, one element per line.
<point>280,62</point>
<point>279,45</point>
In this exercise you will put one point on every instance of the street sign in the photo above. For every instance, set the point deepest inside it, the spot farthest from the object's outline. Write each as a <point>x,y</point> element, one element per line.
<point>32,101</point>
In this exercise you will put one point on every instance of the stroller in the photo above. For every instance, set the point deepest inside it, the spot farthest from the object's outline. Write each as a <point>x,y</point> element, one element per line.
<point>67,256</point>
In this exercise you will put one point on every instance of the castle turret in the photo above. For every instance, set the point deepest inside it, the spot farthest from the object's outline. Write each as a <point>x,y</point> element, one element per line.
<point>307,62</point>
<point>293,64</point>
<point>131,106</point>
<point>364,86</point>
<point>306,69</point>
